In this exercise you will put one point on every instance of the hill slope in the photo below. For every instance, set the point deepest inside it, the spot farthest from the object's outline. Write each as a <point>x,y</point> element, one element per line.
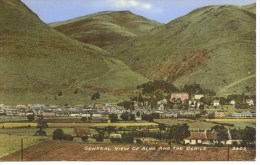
<point>106,28</point>
<point>213,46</point>
<point>36,62</point>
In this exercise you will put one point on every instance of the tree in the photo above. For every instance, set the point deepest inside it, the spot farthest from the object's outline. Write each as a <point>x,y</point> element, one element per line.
<point>40,132</point>
<point>127,105</point>
<point>178,132</point>
<point>222,134</point>
<point>138,114</point>
<point>67,137</point>
<point>249,135</point>
<point>76,91</point>
<point>211,116</point>
<point>125,116</point>
<point>99,137</point>
<point>110,129</point>
<point>162,127</point>
<point>132,117</point>
<point>84,119</point>
<point>30,118</point>
<point>95,96</point>
<point>84,138</point>
<point>113,118</point>
<point>58,134</point>
<point>42,124</point>
<point>59,93</point>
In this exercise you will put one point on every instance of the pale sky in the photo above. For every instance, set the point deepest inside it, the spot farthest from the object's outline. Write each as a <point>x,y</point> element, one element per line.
<point>160,10</point>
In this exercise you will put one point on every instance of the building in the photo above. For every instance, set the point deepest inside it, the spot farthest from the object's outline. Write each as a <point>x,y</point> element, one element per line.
<point>232,102</point>
<point>250,102</point>
<point>182,96</point>
<point>219,113</point>
<point>198,96</point>
<point>207,138</point>
<point>244,114</point>
<point>216,103</point>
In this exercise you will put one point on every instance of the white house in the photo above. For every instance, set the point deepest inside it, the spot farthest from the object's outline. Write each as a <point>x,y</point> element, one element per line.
<point>216,103</point>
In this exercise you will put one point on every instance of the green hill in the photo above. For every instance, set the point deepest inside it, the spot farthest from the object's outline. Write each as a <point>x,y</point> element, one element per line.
<point>250,8</point>
<point>106,28</point>
<point>213,46</point>
<point>37,63</point>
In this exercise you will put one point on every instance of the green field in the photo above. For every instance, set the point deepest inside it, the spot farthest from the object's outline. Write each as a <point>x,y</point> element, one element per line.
<point>238,122</point>
<point>11,143</point>
<point>193,124</point>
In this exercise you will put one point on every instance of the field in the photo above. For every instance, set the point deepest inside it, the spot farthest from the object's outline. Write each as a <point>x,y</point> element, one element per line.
<point>193,124</point>
<point>13,125</point>
<point>11,143</point>
<point>75,151</point>
<point>228,109</point>
<point>238,123</point>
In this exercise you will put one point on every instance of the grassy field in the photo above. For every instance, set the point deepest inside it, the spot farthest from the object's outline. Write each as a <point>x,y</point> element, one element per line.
<point>193,124</point>
<point>4,119</point>
<point>238,123</point>
<point>228,109</point>
<point>199,124</point>
<point>11,143</point>
<point>12,125</point>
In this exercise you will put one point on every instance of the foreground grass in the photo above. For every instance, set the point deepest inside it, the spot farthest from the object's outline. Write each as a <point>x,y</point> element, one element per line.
<point>11,143</point>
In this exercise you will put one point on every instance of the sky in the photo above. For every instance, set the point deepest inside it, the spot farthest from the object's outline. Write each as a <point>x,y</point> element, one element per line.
<point>159,10</point>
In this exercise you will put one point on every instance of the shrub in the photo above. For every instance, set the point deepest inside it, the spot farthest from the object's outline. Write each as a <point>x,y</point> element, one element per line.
<point>67,137</point>
<point>84,138</point>
<point>58,134</point>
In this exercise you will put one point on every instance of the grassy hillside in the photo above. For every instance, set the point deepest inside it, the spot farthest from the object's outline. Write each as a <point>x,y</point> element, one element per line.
<point>106,28</point>
<point>251,8</point>
<point>213,46</point>
<point>36,62</point>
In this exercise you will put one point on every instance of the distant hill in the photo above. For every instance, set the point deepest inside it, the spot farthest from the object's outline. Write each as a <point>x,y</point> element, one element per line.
<point>106,28</point>
<point>251,8</point>
<point>37,63</point>
<point>213,46</point>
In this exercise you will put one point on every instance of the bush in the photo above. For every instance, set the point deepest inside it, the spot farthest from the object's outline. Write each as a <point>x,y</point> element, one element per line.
<point>115,140</point>
<point>58,134</point>
<point>84,138</point>
<point>99,137</point>
<point>67,137</point>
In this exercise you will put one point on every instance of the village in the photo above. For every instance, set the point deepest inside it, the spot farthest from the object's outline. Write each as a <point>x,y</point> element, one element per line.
<point>142,124</point>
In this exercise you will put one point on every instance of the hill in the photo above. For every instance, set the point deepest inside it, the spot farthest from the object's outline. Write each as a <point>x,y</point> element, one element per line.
<point>106,28</point>
<point>213,46</point>
<point>37,63</point>
<point>250,8</point>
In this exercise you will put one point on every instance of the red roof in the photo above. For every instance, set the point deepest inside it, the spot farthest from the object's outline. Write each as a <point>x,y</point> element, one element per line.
<point>197,135</point>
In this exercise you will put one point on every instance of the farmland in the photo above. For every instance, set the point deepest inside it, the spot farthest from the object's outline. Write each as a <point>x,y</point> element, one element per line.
<point>238,123</point>
<point>11,143</point>
<point>12,125</point>
<point>60,151</point>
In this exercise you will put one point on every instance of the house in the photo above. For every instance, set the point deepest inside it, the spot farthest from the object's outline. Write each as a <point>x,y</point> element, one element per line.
<point>182,96</point>
<point>196,138</point>
<point>232,102</point>
<point>250,102</point>
<point>216,103</point>
<point>198,96</point>
<point>207,138</point>
<point>244,114</point>
<point>162,104</point>
<point>219,113</point>
<point>82,132</point>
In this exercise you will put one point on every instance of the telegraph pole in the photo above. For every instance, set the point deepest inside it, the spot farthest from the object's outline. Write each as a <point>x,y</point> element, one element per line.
<point>228,152</point>
<point>21,149</point>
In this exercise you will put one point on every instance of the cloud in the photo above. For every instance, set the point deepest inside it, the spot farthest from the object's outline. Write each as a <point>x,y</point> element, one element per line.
<point>130,4</point>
